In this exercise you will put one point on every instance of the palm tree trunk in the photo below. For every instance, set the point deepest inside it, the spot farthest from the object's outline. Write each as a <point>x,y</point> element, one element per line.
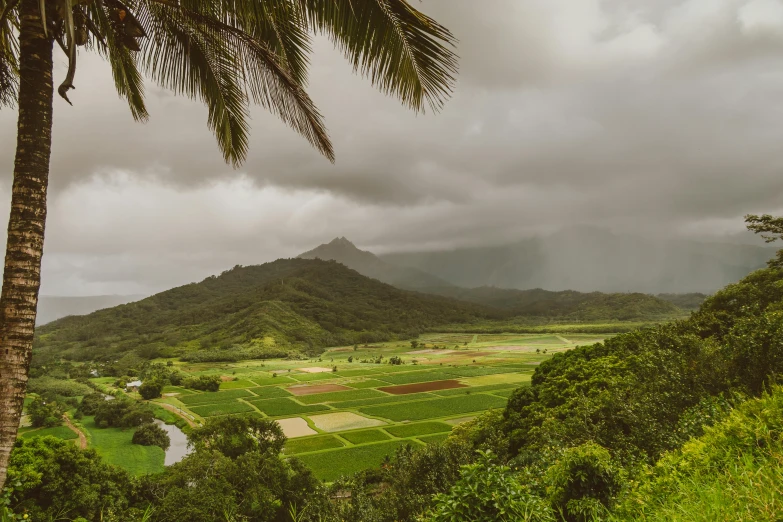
<point>22,275</point>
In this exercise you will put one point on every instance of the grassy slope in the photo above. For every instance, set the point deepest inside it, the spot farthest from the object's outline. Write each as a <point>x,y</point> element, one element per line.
<point>733,472</point>
<point>115,446</point>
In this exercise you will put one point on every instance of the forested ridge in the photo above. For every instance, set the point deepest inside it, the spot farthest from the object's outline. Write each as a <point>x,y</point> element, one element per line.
<point>293,305</point>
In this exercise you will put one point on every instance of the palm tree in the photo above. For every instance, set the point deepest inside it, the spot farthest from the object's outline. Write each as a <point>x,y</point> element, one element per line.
<point>227,53</point>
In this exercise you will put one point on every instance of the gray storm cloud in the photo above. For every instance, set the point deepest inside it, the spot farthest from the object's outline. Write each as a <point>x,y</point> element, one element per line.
<point>662,117</point>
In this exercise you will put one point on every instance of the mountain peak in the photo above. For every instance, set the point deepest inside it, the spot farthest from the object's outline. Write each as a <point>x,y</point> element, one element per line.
<point>342,242</point>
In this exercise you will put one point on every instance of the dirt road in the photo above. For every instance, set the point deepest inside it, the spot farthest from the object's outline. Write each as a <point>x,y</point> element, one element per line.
<point>77,431</point>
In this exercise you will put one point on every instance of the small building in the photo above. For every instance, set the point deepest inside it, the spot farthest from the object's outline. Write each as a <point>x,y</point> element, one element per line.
<point>133,386</point>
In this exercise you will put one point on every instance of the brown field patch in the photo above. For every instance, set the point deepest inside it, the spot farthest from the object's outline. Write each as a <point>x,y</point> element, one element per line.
<point>295,427</point>
<point>316,388</point>
<point>431,350</point>
<point>404,389</point>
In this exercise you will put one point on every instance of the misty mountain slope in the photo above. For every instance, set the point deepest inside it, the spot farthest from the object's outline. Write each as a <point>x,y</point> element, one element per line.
<point>567,304</point>
<point>51,307</point>
<point>590,259</point>
<point>286,305</point>
<point>368,264</point>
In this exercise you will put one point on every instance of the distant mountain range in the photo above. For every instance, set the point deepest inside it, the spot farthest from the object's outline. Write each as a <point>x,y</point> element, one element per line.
<point>589,259</point>
<point>535,302</point>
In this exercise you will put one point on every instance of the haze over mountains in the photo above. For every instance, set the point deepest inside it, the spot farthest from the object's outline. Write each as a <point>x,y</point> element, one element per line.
<point>583,259</point>
<point>590,259</point>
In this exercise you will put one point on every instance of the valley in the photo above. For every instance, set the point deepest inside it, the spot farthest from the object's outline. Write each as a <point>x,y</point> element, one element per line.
<point>351,407</point>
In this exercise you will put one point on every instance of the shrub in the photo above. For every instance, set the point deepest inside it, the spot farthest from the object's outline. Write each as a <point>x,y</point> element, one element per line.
<point>203,383</point>
<point>487,492</point>
<point>122,414</point>
<point>90,403</point>
<point>45,413</point>
<point>151,435</point>
<point>151,389</point>
<point>583,482</point>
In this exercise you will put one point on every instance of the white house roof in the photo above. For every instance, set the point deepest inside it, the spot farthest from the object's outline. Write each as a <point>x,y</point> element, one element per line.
<point>132,384</point>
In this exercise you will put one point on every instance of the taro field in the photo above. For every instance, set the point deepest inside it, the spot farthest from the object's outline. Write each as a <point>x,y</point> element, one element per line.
<point>350,408</point>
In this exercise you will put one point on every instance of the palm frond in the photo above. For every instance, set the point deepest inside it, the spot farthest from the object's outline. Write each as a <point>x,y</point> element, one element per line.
<point>242,64</point>
<point>180,57</point>
<point>127,79</point>
<point>9,51</point>
<point>403,52</point>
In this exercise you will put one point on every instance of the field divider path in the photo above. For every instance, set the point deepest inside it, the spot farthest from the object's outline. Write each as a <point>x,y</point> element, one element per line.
<point>177,411</point>
<point>79,433</point>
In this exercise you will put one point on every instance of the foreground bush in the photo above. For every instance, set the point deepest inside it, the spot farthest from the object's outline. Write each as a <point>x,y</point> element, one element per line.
<point>488,492</point>
<point>55,478</point>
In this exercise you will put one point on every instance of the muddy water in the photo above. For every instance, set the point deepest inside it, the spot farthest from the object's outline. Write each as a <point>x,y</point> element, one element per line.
<point>179,443</point>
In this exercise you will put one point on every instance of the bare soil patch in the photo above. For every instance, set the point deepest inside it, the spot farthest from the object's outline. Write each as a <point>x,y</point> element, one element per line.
<point>430,350</point>
<point>295,427</point>
<point>316,388</point>
<point>404,389</point>
<point>314,369</point>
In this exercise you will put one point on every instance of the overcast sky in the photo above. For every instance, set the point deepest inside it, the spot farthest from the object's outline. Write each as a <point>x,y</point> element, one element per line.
<point>663,117</point>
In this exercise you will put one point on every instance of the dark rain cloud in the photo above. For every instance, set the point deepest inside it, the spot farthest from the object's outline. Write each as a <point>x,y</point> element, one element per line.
<point>657,116</point>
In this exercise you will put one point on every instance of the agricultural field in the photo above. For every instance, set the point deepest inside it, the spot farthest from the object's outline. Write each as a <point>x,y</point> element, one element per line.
<point>351,407</point>
<point>342,415</point>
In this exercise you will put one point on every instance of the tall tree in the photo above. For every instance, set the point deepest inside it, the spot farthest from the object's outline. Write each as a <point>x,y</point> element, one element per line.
<point>229,54</point>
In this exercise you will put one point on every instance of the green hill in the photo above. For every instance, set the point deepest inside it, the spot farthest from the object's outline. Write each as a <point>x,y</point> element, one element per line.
<point>257,311</point>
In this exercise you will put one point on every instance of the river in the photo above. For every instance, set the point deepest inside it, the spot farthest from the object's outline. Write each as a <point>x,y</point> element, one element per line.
<point>179,443</point>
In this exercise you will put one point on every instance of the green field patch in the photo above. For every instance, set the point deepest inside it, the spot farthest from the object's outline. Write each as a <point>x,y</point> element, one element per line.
<point>61,432</point>
<point>469,371</point>
<point>369,383</point>
<point>419,428</point>
<point>177,389</point>
<point>413,377</point>
<point>364,436</point>
<point>233,385</point>
<point>214,397</point>
<point>115,446</point>
<point>221,408</point>
<point>267,381</point>
<point>350,395</point>
<point>432,439</point>
<point>305,445</point>
<point>309,377</point>
<point>502,378</point>
<point>383,400</point>
<point>277,407</point>
<point>504,393</point>
<point>435,408</point>
<point>269,392</point>
<point>343,421</point>
<point>357,373</point>
<point>476,389</point>
<point>331,465</point>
